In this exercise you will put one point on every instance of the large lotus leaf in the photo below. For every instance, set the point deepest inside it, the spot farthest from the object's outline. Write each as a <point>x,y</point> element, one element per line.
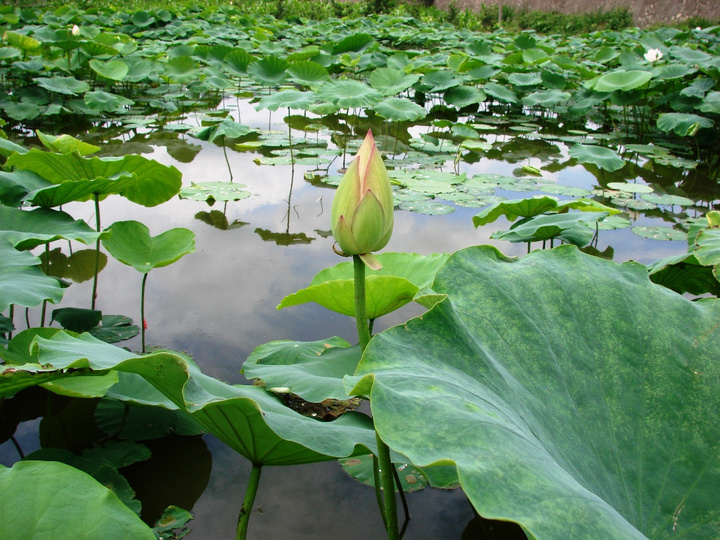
<point>270,71</point>
<point>711,103</point>
<point>237,61</point>
<point>622,80</point>
<point>228,129</point>
<point>130,243</point>
<point>348,94</point>
<point>312,370</point>
<point>22,282</point>
<point>156,183</point>
<point>115,70</point>
<point>605,158</point>
<point>546,99</point>
<point>500,92</point>
<point>250,420</point>
<point>400,109</point>
<point>441,80</point>
<point>65,144</point>
<point>683,273</point>
<point>63,85</point>
<point>290,99</point>
<point>389,81</point>
<point>100,101</point>
<point>26,229</point>
<point>308,73</point>
<point>462,96</point>
<point>574,396</point>
<point>81,190</point>
<point>16,184</point>
<point>514,209</point>
<point>682,124</point>
<point>387,289</point>
<point>21,41</point>
<point>572,227</point>
<point>46,500</point>
<point>353,43</point>
<point>708,246</point>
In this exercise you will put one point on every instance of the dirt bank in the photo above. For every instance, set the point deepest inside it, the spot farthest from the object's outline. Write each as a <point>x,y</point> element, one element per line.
<point>645,12</point>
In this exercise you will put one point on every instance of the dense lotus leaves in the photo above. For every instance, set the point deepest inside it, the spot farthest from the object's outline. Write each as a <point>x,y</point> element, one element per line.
<point>387,289</point>
<point>605,158</point>
<point>38,492</point>
<point>250,420</point>
<point>22,282</point>
<point>156,183</point>
<point>574,396</point>
<point>63,85</point>
<point>571,227</point>
<point>27,229</point>
<point>312,370</point>
<point>683,124</point>
<point>399,110</point>
<point>130,243</point>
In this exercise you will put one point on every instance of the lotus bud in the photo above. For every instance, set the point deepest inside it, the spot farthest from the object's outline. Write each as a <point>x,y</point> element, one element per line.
<point>75,30</point>
<point>362,210</point>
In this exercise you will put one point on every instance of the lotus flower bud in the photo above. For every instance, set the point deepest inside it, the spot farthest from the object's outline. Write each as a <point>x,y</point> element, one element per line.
<point>75,30</point>
<point>362,210</point>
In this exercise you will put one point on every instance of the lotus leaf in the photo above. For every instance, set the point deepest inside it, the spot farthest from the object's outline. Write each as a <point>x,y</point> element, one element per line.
<point>63,85</point>
<point>130,243</point>
<point>156,183</point>
<point>622,80</point>
<point>605,158</point>
<point>27,229</point>
<point>400,109</point>
<point>683,124</point>
<point>42,491</point>
<point>574,396</point>
<point>389,81</point>
<point>250,420</point>
<point>22,282</point>
<point>312,370</point>
<point>571,227</point>
<point>115,70</point>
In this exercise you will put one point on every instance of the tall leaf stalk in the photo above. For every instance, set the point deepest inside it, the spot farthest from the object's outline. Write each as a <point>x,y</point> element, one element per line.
<point>389,508</point>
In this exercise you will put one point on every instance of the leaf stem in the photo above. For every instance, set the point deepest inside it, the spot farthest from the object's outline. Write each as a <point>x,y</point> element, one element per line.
<point>361,320</point>
<point>247,505</point>
<point>142,308</point>
<point>389,510</point>
<point>97,251</point>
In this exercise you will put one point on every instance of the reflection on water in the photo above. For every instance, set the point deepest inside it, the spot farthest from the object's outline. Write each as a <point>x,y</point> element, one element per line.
<point>219,303</point>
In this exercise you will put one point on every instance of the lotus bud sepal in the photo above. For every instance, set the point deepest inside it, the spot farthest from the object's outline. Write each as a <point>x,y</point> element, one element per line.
<point>362,210</point>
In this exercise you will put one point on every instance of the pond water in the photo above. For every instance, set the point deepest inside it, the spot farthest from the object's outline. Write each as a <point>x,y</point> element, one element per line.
<point>219,303</point>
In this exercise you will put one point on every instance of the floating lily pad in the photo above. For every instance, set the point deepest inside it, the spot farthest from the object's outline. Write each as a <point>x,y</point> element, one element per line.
<point>214,191</point>
<point>659,233</point>
<point>630,188</point>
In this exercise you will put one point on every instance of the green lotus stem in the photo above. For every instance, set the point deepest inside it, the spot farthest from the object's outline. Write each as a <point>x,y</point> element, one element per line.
<point>247,505</point>
<point>97,252</point>
<point>361,320</point>
<point>389,504</point>
<point>142,309</point>
<point>378,491</point>
<point>388,485</point>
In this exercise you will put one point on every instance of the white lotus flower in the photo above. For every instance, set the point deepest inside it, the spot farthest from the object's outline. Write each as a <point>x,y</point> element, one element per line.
<point>653,55</point>
<point>75,30</point>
